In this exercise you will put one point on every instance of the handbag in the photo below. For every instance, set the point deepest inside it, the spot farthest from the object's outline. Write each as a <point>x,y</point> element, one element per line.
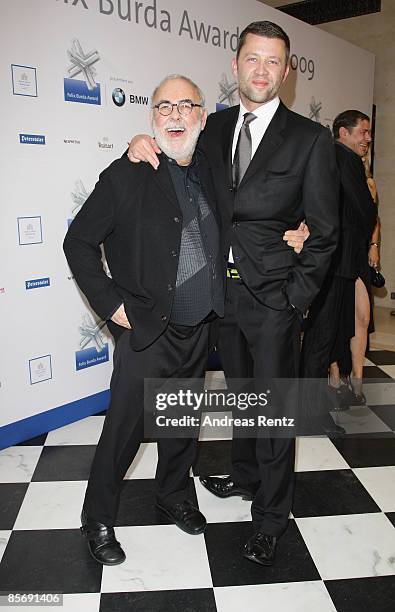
<point>376,278</point>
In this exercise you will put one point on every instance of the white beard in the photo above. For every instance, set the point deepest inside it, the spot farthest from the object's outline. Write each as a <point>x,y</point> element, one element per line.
<point>175,150</point>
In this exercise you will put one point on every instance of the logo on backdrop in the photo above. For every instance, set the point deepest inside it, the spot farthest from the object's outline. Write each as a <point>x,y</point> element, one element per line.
<point>30,230</point>
<point>71,141</point>
<point>79,196</point>
<point>24,80</point>
<point>118,96</point>
<point>227,93</point>
<point>315,109</point>
<point>40,369</point>
<point>85,91</point>
<point>37,283</point>
<point>34,139</point>
<point>93,347</point>
<point>105,144</point>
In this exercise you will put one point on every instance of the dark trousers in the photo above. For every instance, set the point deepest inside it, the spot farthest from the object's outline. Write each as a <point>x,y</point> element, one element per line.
<point>258,342</point>
<point>180,352</point>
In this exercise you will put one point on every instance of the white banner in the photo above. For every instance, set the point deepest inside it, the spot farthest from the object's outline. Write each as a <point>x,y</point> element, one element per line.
<point>77,76</point>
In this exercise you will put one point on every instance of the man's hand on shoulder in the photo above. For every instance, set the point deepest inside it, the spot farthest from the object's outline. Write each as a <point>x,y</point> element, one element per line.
<point>144,148</point>
<point>296,238</point>
<point>119,317</point>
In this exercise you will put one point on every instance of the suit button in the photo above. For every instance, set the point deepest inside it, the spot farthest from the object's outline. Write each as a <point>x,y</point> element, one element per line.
<point>164,318</point>
<point>176,219</point>
<point>231,189</point>
<point>174,253</point>
<point>235,223</point>
<point>169,288</point>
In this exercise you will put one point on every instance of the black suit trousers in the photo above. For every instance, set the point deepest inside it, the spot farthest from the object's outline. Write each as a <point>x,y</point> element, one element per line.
<point>180,352</point>
<point>261,343</point>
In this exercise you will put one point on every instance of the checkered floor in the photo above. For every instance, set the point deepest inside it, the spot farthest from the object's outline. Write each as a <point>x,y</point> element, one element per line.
<point>337,554</point>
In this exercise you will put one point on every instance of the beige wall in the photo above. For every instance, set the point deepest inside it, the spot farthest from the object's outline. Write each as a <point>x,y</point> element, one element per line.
<point>376,33</point>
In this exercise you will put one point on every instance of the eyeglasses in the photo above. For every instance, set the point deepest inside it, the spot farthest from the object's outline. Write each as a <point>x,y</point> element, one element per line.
<point>184,107</point>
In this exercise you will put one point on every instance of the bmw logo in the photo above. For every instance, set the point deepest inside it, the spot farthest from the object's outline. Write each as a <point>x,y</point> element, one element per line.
<point>118,96</point>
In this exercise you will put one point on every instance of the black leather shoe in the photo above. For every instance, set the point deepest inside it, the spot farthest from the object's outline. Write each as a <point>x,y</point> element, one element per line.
<point>185,516</point>
<point>103,546</point>
<point>260,548</point>
<point>225,487</point>
<point>342,398</point>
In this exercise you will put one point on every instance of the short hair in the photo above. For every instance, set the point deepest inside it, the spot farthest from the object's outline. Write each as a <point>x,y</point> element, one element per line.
<point>348,119</point>
<point>266,29</point>
<point>173,77</point>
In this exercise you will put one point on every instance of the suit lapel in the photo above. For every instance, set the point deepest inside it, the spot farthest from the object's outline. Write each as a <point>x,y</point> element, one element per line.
<point>272,139</point>
<point>163,178</point>
<point>227,132</point>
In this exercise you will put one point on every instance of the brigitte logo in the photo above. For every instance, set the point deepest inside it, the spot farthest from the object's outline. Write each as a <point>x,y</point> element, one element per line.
<point>82,63</point>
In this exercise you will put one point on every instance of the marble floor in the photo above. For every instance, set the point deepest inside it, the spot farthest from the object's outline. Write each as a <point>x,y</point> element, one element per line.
<point>338,553</point>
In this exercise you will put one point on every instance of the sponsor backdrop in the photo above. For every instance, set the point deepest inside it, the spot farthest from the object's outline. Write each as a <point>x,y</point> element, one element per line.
<point>76,82</point>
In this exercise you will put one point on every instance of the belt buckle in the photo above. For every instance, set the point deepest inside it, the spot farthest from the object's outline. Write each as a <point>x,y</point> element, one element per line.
<point>232,273</point>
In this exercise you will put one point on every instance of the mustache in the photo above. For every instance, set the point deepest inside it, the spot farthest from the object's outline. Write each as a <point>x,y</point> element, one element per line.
<point>173,124</point>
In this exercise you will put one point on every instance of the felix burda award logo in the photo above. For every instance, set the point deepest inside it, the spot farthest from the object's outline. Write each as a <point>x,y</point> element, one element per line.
<point>85,91</point>
<point>93,347</point>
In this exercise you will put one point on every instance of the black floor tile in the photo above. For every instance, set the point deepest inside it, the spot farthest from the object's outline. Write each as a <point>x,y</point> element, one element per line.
<point>373,374</point>
<point>375,594</point>
<point>386,414</point>
<point>330,492</point>
<point>37,441</point>
<point>225,543</point>
<point>391,516</point>
<point>382,357</point>
<point>213,458</point>
<point>52,561</point>
<point>11,498</point>
<point>137,503</point>
<point>367,450</point>
<point>190,600</point>
<point>64,463</point>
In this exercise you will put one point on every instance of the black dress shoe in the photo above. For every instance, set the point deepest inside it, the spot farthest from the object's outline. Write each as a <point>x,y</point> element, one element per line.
<point>225,487</point>
<point>342,397</point>
<point>260,548</point>
<point>185,516</point>
<point>103,546</point>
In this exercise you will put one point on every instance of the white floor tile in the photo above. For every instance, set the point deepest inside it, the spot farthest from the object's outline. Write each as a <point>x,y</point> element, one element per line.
<point>388,369</point>
<point>210,431</point>
<point>379,394</point>
<point>368,362</point>
<point>380,483</point>
<point>360,420</point>
<point>317,454</point>
<point>17,463</point>
<point>85,431</point>
<point>350,546</point>
<point>284,597</point>
<point>158,558</point>
<point>215,379</point>
<point>222,510</point>
<point>144,464</point>
<point>4,537</point>
<point>52,505</point>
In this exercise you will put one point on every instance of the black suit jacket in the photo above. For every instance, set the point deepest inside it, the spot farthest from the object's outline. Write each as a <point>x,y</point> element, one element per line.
<point>292,176</point>
<point>134,212</point>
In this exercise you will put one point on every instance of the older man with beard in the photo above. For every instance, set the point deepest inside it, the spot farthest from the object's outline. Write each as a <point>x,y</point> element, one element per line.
<point>160,234</point>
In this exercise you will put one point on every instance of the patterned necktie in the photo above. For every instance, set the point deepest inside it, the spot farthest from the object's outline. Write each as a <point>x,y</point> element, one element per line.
<point>242,156</point>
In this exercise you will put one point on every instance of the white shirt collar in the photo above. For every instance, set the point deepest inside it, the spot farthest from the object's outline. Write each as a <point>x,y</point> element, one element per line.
<point>265,111</point>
